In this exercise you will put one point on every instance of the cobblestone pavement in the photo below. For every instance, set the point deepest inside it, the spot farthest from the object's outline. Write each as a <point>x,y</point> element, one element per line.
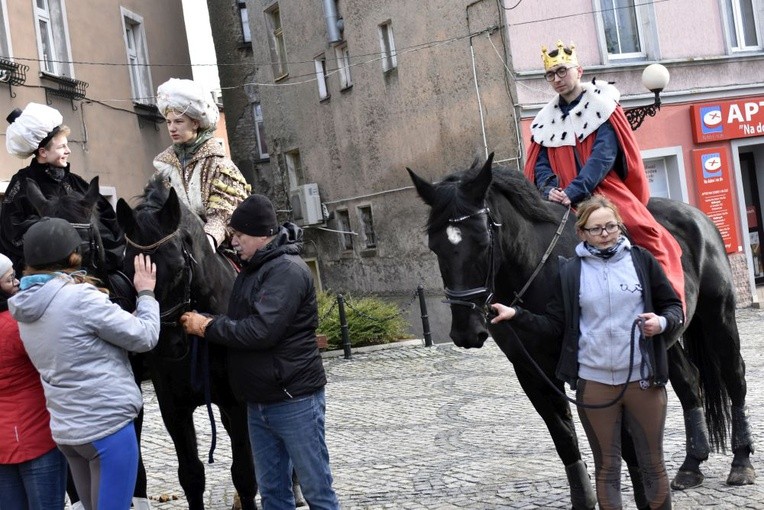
<point>446,428</point>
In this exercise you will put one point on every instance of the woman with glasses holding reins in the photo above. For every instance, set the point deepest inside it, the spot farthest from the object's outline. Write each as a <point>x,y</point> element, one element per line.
<point>606,286</point>
<point>583,144</point>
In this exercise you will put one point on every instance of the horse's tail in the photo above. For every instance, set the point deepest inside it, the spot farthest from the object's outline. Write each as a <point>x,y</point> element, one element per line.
<point>702,344</point>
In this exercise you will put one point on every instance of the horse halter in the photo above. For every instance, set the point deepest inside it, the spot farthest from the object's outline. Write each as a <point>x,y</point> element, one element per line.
<point>466,297</point>
<point>87,232</point>
<point>185,303</point>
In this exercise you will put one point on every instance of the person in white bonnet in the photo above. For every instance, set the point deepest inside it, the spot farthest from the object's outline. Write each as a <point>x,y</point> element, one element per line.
<point>38,132</point>
<point>196,165</point>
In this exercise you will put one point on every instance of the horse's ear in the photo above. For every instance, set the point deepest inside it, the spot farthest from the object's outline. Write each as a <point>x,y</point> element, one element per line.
<point>425,190</point>
<point>35,196</point>
<point>125,216</point>
<point>93,193</point>
<point>170,213</point>
<point>477,187</point>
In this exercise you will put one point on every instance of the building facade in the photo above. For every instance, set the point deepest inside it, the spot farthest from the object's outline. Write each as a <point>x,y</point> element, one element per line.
<point>354,91</point>
<point>98,62</point>
<point>706,144</point>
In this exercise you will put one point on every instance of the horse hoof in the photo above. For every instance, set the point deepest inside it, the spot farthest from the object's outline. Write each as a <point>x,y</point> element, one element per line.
<point>741,475</point>
<point>687,480</point>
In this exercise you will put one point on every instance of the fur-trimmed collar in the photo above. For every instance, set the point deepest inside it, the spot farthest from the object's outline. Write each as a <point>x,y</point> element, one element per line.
<point>552,128</point>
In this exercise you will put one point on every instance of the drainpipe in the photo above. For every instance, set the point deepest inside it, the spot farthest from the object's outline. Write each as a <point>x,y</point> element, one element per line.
<point>334,24</point>
<point>474,77</point>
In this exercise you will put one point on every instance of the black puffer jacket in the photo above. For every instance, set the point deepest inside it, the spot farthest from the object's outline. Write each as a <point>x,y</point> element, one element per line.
<point>270,327</point>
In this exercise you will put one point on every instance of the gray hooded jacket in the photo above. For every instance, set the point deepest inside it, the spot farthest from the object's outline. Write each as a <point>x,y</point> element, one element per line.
<point>78,341</point>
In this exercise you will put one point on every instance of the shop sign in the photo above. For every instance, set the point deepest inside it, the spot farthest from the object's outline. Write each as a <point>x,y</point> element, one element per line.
<point>726,120</point>
<point>712,175</point>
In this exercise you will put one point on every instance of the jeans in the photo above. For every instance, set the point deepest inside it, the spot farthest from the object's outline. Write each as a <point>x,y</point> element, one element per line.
<point>37,484</point>
<point>286,435</point>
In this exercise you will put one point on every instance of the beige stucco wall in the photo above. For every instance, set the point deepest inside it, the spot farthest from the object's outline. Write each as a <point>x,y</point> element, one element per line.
<point>107,138</point>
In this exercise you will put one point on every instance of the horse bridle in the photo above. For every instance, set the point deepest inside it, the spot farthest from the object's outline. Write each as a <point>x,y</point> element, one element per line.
<point>463,297</point>
<point>466,297</point>
<point>87,232</point>
<point>184,304</point>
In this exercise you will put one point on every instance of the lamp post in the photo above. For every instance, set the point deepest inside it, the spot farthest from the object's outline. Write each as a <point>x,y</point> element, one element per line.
<point>655,77</point>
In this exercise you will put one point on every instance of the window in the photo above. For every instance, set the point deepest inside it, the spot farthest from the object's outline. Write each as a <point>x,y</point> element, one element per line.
<point>621,22</point>
<point>742,22</point>
<point>367,226</point>
<point>52,37</point>
<point>294,168</point>
<point>262,146</point>
<point>5,38</point>
<point>387,46</point>
<point>665,173</point>
<point>343,225</point>
<point>320,62</point>
<point>343,66</point>
<point>137,58</point>
<point>246,35</point>
<point>278,48</point>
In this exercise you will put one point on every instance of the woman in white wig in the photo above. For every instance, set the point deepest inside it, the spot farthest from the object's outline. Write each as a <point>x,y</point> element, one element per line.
<point>196,165</point>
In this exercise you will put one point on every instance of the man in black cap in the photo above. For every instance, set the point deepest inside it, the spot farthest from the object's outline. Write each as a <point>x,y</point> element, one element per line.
<point>274,362</point>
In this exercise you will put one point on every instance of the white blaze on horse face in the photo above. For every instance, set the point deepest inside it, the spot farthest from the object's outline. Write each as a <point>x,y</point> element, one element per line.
<point>454,234</point>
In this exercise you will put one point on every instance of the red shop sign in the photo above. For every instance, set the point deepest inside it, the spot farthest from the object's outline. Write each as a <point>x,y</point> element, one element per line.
<point>712,175</point>
<point>725,120</point>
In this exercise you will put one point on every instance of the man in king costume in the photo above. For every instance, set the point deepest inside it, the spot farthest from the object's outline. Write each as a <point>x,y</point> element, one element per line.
<point>582,144</point>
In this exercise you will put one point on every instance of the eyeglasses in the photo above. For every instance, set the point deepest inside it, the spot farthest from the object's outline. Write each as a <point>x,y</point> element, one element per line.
<point>560,73</point>
<point>608,228</point>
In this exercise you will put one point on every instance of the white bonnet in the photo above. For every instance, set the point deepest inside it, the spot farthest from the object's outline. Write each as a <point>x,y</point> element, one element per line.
<point>5,264</point>
<point>26,131</point>
<point>190,98</point>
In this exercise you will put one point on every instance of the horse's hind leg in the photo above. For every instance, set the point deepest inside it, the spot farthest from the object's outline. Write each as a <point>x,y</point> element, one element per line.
<point>555,412</point>
<point>733,374</point>
<point>685,381</point>
<point>234,418</point>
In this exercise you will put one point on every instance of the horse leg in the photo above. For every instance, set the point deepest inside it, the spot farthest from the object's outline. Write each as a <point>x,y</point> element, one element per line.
<point>234,418</point>
<point>140,496</point>
<point>555,412</point>
<point>179,422</point>
<point>732,368</point>
<point>685,380</point>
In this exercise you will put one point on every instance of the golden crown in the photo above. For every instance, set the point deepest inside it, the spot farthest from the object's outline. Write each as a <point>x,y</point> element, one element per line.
<point>560,55</point>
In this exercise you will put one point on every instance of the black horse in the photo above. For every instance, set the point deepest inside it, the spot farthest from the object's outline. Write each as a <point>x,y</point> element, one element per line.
<point>491,232</point>
<point>188,373</point>
<point>80,210</point>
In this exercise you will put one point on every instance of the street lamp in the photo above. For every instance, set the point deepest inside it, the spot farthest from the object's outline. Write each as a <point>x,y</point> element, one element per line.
<point>655,77</point>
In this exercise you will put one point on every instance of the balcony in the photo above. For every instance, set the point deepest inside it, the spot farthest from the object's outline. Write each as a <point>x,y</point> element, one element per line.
<point>12,73</point>
<point>65,87</point>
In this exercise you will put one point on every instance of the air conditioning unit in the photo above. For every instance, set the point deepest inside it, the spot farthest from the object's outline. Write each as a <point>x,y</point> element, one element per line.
<point>306,204</point>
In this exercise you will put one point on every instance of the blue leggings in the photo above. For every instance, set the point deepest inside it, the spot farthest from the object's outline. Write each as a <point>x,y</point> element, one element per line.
<point>104,471</point>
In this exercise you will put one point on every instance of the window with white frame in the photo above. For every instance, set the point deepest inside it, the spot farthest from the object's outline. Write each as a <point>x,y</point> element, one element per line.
<point>367,226</point>
<point>665,172</point>
<point>320,64</point>
<point>387,46</point>
<point>343,65</point>
<point>5,33</point>
<point>622,27</point>
<point>52,37</point>
<point>278,46</point>
<point>137,58</point>
<point>294,168</point>
<point>343,225</point>
<point>262,146</point>
<point>742,19</point>
<point>246,35</point>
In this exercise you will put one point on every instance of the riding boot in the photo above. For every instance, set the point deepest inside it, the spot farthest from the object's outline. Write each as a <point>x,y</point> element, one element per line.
<point>640,498</point>
<point>581,493</point>
<point>141,504</point>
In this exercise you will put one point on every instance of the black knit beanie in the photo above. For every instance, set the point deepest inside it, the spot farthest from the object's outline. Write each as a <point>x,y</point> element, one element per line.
<point>255,217</point>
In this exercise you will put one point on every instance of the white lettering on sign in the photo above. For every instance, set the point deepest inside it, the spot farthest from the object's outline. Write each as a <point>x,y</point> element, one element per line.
<point>746,114</point>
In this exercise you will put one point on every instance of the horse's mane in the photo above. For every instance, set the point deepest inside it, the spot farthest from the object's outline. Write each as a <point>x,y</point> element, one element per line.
<point>69,206</point>
<point>450,201</point>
